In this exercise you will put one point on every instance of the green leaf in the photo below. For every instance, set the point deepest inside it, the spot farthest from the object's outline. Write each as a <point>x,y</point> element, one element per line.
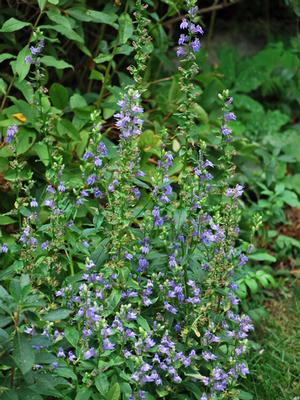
<point>102,17</point>
<point>101,58</point>
<point>124,49</point>
<point>42,4</point>
<point>96,76</point>
<point>77,101</point>
<point>6,220</point>
<point>66,31</point>
<point>59,96</point>
<point>245,395</point>
<point>293,182</point>
<point>65,127</point>
<point>102,384</point>
<point>19,66</point>
<point>252,285</point>
<point>53,62</point>
<point>114,392</point>
<point>25,140</point>
<point>290,198</point>
<point>3,86</point>
<point>242,290</point>
<point>262,256</point>
<point>13,24</point>
<point>5,56</point>
<point>72,335</point>
<point>180,218</point>
<point>42,151</point>
<point>57,315</point>
<point>10,395</point>
<point>66,373</point>
<point>112,302</point>
<point>23,353</point>
<point>143,323</point>
<point>83,394</point>
<point>200,113</point>
<point>250,79</point>
<point>125,28</point>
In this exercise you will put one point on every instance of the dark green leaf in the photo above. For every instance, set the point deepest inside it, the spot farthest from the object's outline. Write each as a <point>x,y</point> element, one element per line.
<point>59,96</point>
<point>57,315</point>
<point>72,335</point>
<point>23,353</point>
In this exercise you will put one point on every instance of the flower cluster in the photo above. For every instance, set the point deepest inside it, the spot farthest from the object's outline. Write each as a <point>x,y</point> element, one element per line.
<point>190,39</point>
<point>128,119</point>
<point>34,52</point>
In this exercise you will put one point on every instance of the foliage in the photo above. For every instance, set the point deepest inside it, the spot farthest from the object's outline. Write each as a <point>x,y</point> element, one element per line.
<point>277,350</point>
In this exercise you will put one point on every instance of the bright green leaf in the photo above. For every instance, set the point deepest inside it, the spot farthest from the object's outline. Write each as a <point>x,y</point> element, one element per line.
<point>125,28</point>
<point>13,24</point>
<point>53,62</point>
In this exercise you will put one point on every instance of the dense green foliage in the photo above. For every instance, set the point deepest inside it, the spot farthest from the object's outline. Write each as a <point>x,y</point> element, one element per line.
<point>59,104</point>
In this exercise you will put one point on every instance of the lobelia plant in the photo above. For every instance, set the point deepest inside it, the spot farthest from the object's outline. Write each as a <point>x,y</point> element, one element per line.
<point>149,308</point>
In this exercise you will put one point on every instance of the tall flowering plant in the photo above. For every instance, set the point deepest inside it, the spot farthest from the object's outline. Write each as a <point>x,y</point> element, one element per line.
<point>151,308</point>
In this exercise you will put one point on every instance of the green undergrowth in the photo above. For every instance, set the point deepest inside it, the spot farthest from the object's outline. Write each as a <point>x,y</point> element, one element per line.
<point>275,366</point>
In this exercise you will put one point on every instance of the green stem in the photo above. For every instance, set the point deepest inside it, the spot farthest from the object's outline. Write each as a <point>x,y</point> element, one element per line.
<point>106,78</point>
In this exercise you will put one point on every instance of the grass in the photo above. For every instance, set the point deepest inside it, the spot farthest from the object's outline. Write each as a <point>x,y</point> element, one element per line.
<point>275,367</point>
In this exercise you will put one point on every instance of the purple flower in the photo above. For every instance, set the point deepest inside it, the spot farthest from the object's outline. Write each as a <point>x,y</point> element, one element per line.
<point>229,116</point>
<point>196,29</point>
<point>11,132</point>
<point>128,256</point>
<point>87,155</point>
<point>89,353</point>
<point>193,11</point>
<point>139,173</point>
<point>33,203</point>
<point>131,315</point>
<point>28,60</point>
<point>98,162</point>
<point>3,248</point>
<point>143,264</point>
<point>235,192</point>
<point>36,50</point>
<point>172,261</point>
<point>184,24</point>
<point>71,356</point>
<point>91,180</point>
<point>61,187</point>
<point>196,45</point>
<point>60,353</point>
<point>136,192</point>
<point>181,52</point>
<point>50,189</point>
<point>170,308</point>
<point>243,369</point>
<point>102,149</point>
<point>30,331</point>
<point>107,345</point>
<point>182,39</point>
<point>45,245</point>
<point>225,130</point>
<point>243,259</point>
